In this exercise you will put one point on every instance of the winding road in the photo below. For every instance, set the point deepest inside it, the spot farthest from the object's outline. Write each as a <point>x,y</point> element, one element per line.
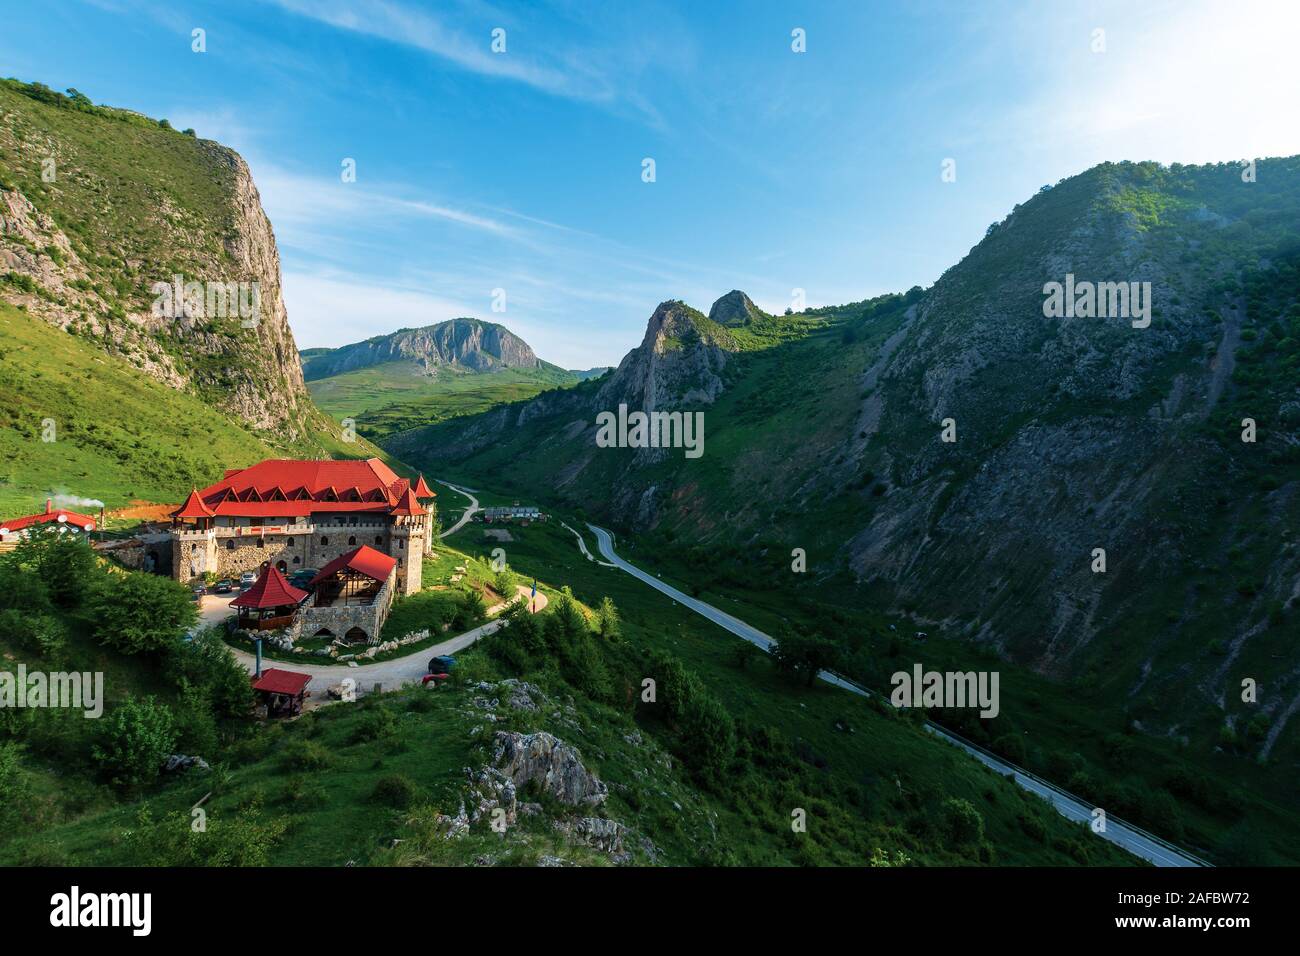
<point>469,512</point>
<point>1133,839</point>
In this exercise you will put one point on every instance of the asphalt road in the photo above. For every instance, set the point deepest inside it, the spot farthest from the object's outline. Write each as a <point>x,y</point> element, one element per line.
<point>469,512</point>
<point>1136,841</point>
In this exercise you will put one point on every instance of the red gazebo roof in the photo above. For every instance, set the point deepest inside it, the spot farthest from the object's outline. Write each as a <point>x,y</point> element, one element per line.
<point>270,590</point>
<point>364,560</point>
<point>276,681</point>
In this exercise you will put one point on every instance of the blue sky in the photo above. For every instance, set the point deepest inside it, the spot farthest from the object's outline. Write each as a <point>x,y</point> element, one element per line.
<point>775,170</point>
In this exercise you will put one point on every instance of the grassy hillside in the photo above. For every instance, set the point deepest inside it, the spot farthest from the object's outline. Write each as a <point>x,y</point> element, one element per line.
<point>397,396</point>
<point>119,435</point>
<point>365,783</point>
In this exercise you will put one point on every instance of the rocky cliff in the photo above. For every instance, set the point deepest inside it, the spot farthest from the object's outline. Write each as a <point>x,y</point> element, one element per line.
<point>153,245</point>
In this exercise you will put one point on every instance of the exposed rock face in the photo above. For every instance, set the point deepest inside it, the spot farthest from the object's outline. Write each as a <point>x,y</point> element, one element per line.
<point>98,280</point>
<point>677,364</point>
<point>735,308</point>
<point>553,765</point>
<point>461,343</point>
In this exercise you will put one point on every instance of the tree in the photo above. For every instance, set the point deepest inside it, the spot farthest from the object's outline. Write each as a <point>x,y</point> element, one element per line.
<point>134,741</point>
<point>962,822</point>
<point>138,612</point>
<point>608,625</point>
<point>805,654</point>
<point>207,663</point>
<point>61,560</point>
<point>742,653</point>
<point>505,583</point>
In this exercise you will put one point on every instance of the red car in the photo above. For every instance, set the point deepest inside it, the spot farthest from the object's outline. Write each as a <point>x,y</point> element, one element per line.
<point>434,677</point>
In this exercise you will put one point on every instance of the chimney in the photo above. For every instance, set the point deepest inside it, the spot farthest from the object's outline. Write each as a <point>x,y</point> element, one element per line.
<point>258,672</point>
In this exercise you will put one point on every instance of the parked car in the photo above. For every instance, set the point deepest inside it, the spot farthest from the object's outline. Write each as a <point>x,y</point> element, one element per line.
<point>197,591</point>
<point>247,580</point>
<point>441,665</point>
<point>225,586</point>
<point>302,579</point>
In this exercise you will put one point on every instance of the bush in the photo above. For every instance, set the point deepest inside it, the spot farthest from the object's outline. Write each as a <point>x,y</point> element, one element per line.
<point>395,791</point>
<point>136,613</point>
<point>134,741</point>
<point>378,723</point>
<point>962,823</point>
<point>207,663</point>
<point>35,633</point>
<point>306,755</point>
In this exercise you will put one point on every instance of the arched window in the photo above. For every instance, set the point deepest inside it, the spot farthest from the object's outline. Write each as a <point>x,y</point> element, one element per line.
<point>289,542</point>
<point>399,562</point>
<point>296,559</point>
<point>280,566</point>
<point>261,542</point>
<point>324,540</point>
<point>230,545</point>
<point>352,540</point>
<point>379,539</point>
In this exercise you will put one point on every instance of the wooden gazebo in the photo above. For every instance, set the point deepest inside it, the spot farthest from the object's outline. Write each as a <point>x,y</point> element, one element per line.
<point>282,692</point>
<point>270,603</point>
<point>353,579</point>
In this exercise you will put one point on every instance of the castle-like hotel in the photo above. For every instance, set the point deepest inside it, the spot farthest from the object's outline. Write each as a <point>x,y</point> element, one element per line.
<point>295,515</point>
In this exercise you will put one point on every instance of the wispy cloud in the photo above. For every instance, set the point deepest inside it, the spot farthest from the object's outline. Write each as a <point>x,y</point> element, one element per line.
<point>398,23</point>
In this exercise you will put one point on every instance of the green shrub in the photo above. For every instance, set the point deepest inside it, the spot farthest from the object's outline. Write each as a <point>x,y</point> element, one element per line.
<point>134,740</point>
<point>395,791</point>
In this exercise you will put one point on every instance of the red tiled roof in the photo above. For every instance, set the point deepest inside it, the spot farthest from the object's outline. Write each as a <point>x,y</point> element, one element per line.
<point>291,488</point>
<point>270,590</point>
<point>422,489</point>
<point>364,560</point>
<point>51,514</point>
<point>276,681</point>
<point>193,508</point>
<point>408,505</point>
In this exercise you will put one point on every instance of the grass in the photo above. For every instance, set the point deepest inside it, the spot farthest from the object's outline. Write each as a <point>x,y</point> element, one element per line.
<point>119,435</point>
<point>396,396</point>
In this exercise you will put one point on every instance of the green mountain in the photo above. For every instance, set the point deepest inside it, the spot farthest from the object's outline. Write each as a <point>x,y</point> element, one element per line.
<point>414,377</point>
<point>142,309</point>
<point>826,431</point>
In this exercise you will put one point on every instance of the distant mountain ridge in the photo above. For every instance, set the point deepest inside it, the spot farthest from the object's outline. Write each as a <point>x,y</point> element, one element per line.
<point>462,344</point>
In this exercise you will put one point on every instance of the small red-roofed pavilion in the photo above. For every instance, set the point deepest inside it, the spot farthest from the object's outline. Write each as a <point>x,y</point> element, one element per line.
<point>270,603</point>
<point>281,691</point>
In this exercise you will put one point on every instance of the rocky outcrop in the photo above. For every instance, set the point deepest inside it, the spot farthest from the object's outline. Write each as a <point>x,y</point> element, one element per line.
<point>80,252</point>
<point>465,344</point>
<point>552,765</point>
<point>736,309</point>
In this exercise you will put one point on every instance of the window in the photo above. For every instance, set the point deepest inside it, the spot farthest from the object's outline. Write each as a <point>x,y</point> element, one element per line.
<point>280,566</point>
<point>399,562</point>
<point>324,540</point>
<point>352,540</point>
<point>230,545</point>
<point>379,539</point>
<point>289,542</point>
<point>261,542</point>
<point>297,560</point>
<point>401,542</point>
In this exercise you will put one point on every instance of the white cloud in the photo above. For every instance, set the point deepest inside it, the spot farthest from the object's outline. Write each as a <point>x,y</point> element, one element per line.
<point>397,23</point>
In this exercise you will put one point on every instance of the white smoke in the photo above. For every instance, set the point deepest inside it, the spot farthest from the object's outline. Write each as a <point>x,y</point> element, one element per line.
<point>72,501</point>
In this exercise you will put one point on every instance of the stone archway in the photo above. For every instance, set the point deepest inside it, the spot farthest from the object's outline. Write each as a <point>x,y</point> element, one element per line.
<point>356,636</point>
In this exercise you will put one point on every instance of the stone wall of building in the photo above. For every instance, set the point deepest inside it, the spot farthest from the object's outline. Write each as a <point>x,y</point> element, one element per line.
<point>339,620</point>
